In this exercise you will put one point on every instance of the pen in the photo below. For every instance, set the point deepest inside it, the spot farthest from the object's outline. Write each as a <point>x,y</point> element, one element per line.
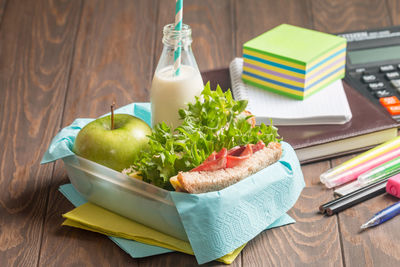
<point>387,169</point>
<point>383,216</point>
<point>368,155</point>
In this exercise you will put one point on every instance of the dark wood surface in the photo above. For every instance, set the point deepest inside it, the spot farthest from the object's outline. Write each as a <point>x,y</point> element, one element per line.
<point>65,59</point>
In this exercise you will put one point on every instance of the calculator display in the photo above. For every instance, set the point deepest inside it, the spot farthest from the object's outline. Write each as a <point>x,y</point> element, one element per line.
<point>374,55</point>
<point>373,66</point>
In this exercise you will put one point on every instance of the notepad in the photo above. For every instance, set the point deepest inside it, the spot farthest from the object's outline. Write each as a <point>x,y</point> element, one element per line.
<point>294,61</point>
<point>328,106</point>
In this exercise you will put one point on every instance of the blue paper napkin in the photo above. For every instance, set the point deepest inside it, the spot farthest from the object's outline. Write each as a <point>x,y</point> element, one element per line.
<point>137,249</point>
<point>217,223</point>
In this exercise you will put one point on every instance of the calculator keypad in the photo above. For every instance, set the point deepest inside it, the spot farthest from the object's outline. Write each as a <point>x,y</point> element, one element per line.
<point>389,101</point>
<point>386,68</point>
<point>392,75</point>
<point>376,86</point>
<point>369,78</point>
<point>395,83</point>
<point>382,84</point>
<point>360,70</point>
<point>383,93</point>
<point>394,110</point>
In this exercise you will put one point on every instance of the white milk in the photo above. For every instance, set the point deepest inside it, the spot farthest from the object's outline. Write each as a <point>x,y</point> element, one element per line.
<point>168,93</point>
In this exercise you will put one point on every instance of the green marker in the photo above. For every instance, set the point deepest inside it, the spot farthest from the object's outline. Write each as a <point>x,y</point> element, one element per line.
<point>383,171</point>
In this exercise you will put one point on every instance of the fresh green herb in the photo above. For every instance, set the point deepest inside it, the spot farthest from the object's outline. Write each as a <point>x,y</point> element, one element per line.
<point>214,121</point>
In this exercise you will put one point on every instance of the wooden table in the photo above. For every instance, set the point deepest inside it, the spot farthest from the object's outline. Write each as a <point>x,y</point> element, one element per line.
<point>60,60</point>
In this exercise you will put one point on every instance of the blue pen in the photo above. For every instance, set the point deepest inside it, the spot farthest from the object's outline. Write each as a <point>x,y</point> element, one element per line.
<point>383,216</point>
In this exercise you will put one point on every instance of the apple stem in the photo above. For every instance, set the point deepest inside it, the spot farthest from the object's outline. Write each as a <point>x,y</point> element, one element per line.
<point>112,115</point>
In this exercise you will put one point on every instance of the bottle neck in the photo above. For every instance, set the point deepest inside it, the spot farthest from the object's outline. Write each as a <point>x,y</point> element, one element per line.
<point>173,38</point>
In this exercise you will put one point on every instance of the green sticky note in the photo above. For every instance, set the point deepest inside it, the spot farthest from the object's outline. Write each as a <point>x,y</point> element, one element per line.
<point>295,44</point>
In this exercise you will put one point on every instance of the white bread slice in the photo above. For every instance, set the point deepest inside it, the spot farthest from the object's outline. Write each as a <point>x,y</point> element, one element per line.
<point>208,181</point>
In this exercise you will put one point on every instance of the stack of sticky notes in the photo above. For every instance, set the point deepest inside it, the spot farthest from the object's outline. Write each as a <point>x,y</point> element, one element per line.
<point>294,61</point>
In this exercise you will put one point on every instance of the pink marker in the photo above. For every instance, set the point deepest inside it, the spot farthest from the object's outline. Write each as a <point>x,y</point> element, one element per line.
<point>393,185</point>
<point>353,173</point>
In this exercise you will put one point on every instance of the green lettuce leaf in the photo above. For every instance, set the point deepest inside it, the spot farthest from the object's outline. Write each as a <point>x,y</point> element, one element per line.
<point>214,121</point>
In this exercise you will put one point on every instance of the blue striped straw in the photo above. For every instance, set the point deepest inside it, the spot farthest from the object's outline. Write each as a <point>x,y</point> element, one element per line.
<point>178,27</point>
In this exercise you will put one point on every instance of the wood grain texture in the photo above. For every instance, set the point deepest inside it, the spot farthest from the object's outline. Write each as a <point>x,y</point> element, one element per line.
<point>112,60</point>
<point>255,17</point>
<point>375,247</point>
<point>179,259</point>
<point>36,43</point>
<point>343,15</point>
<point>310,241</point>
<point>211,24</point>
<point>67,246</point>
<point>113,57</point>
<point>312,238</point>
<point>2,6</point>
<point>393,7</point>
<point>60,60</point>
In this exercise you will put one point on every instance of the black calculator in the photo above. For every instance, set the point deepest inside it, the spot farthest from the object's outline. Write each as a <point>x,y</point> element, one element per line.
<point>373,66</point>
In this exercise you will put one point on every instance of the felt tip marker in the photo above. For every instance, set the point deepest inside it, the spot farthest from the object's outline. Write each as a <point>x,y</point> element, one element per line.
<point>355,172</point>
<point>368,155</point>
<point>387,169</point>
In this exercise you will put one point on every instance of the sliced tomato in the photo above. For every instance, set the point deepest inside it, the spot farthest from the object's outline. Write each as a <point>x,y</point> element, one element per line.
<point>212,165</point>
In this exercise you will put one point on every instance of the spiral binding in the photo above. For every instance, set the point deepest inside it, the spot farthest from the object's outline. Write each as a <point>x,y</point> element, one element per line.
<point>239,90</point>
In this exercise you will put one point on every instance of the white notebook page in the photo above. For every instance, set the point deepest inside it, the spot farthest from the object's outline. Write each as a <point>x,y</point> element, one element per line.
<point>328,106</point>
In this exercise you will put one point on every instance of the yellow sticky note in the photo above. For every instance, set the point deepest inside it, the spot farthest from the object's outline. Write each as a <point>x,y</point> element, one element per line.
<point>94,218</point>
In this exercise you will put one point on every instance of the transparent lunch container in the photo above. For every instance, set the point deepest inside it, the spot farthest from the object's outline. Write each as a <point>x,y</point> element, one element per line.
<point>126,196</point>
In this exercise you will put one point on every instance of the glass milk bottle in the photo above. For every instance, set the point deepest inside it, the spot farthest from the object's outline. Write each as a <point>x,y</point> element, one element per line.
<point>170,92</point>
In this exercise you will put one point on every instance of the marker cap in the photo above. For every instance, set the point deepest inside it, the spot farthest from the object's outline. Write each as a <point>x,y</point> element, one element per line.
<point>393,185</point>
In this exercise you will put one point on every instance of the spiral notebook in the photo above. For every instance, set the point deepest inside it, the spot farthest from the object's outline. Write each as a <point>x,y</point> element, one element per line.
<point>329,106</point>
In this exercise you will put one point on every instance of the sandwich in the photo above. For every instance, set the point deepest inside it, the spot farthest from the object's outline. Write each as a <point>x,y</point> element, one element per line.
<point>225,168</point>
<point>217,145</point>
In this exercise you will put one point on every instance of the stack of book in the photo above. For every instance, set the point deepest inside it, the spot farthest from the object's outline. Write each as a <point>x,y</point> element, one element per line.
<point>294,61</point>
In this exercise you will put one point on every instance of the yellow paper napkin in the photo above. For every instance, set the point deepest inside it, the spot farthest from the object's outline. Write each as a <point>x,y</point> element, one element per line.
<point>94,218</point>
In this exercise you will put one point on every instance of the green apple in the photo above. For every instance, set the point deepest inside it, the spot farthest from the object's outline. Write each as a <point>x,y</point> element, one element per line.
<point>115,148</point>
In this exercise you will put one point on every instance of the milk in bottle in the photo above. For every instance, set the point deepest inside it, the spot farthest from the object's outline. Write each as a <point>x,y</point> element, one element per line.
<point>171,92</point>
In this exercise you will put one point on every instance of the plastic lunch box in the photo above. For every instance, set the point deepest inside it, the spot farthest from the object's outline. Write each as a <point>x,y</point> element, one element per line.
<point>132,198</point>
